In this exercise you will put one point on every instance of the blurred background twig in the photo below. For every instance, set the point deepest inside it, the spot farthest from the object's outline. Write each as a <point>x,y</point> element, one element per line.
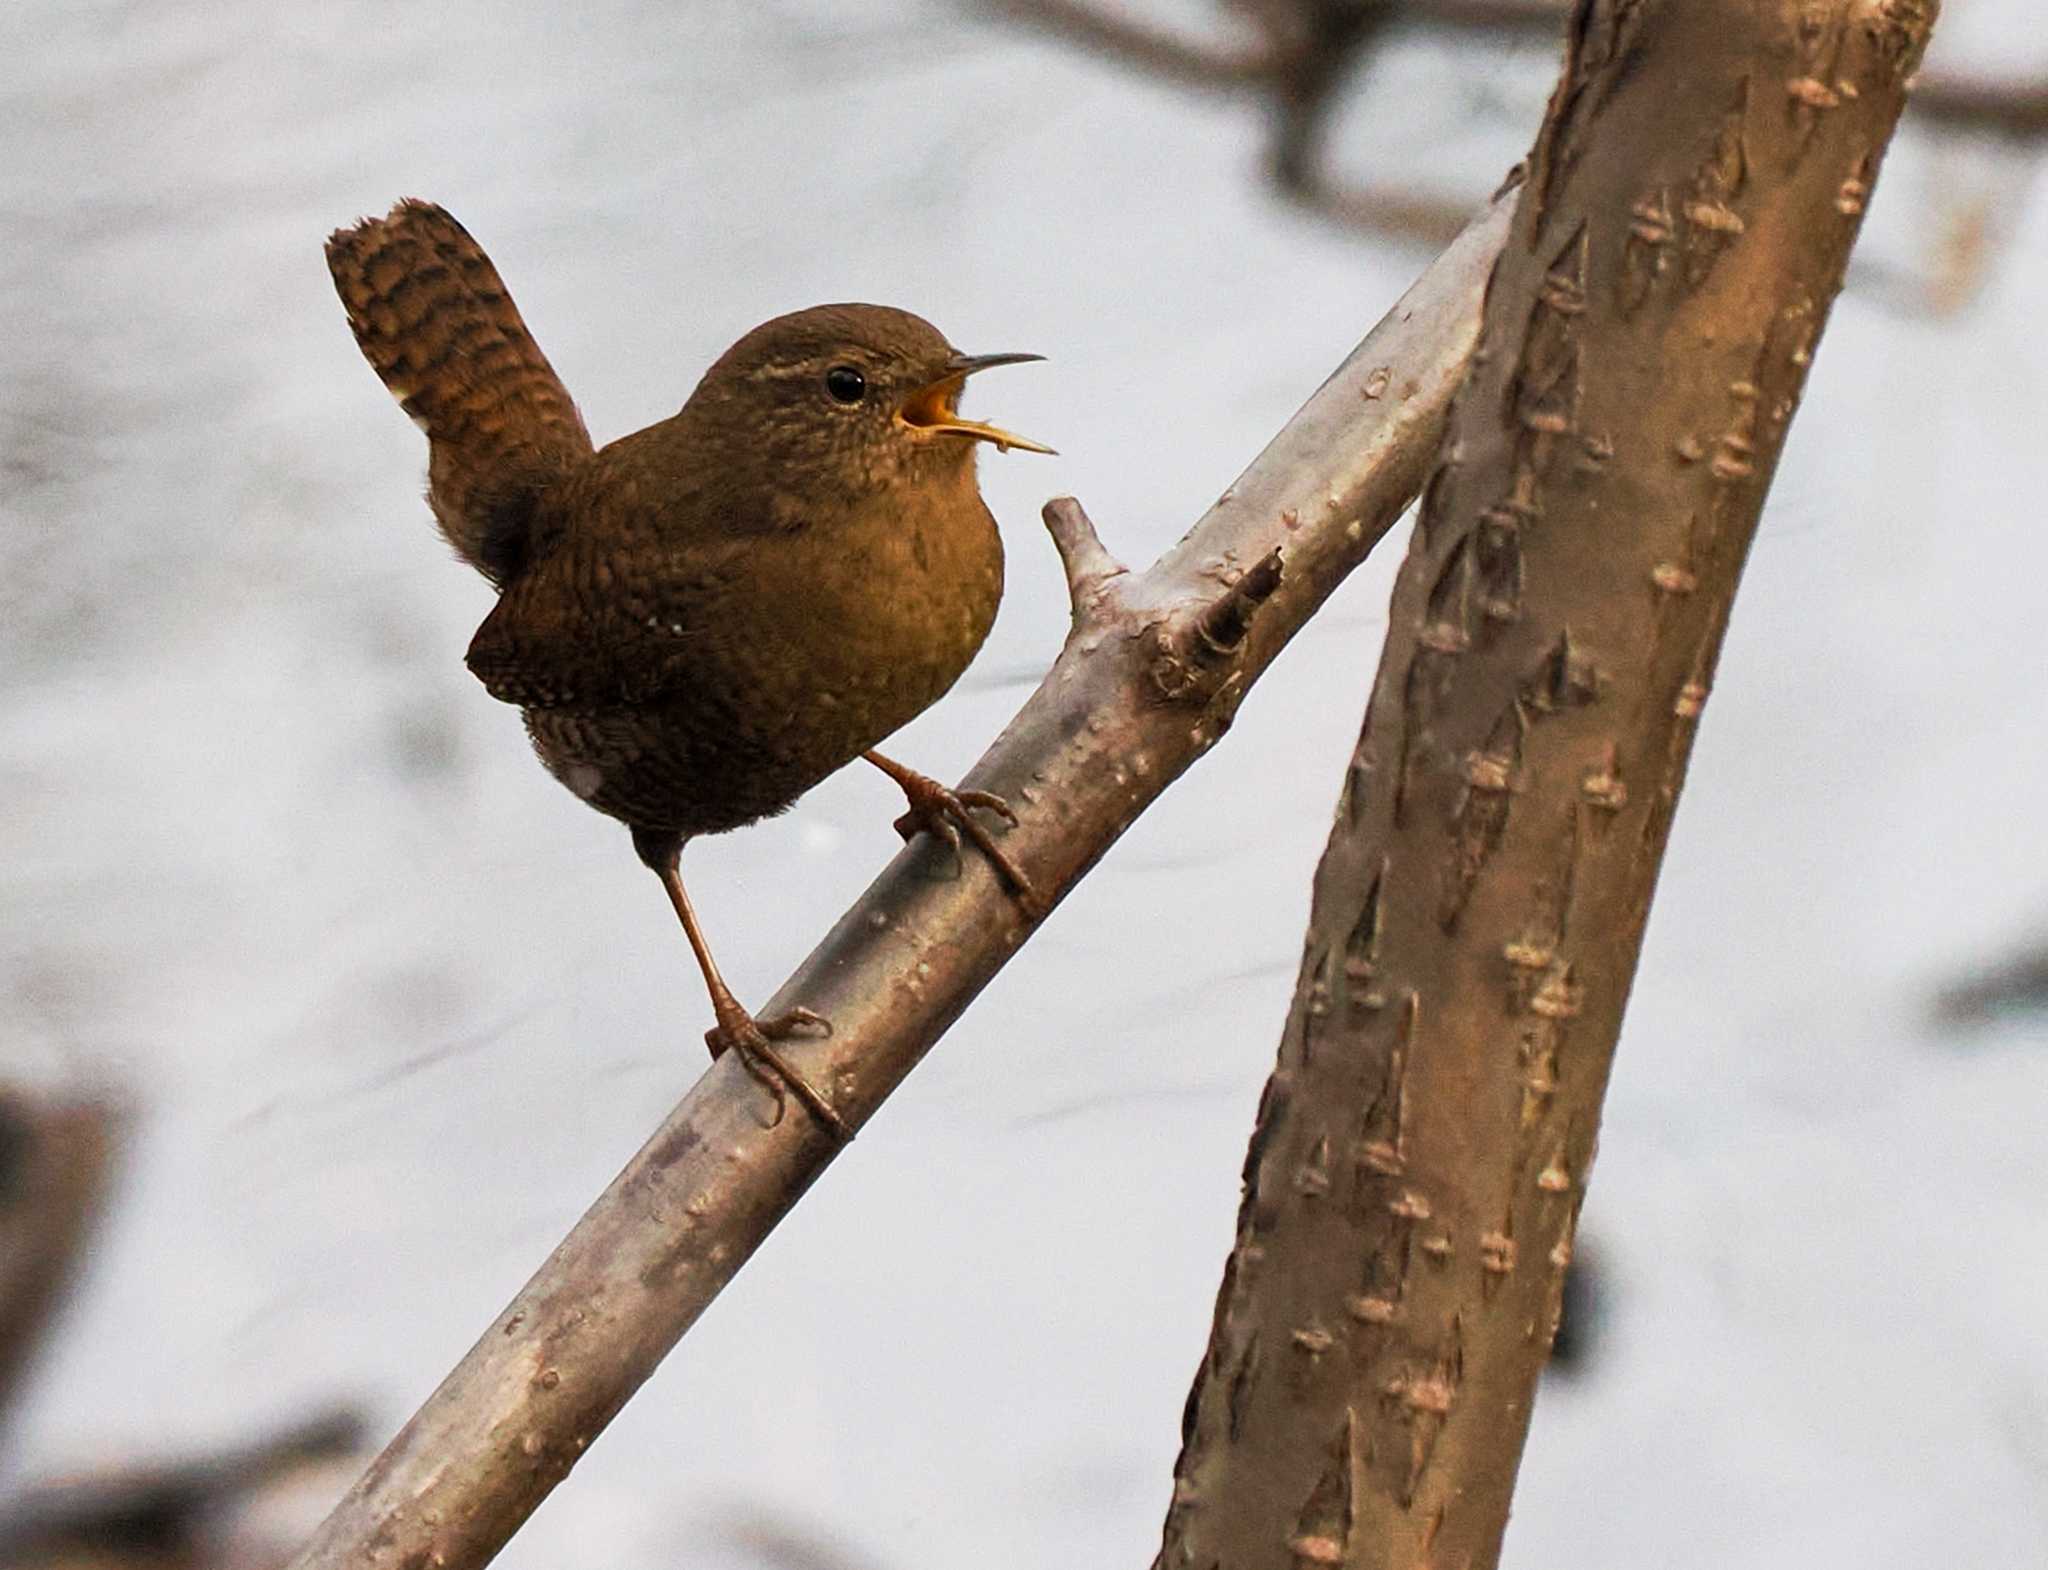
<point>1300,56</point>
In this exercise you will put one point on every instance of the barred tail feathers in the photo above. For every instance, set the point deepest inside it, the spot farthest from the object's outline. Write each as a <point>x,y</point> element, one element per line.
<point>438,326</point>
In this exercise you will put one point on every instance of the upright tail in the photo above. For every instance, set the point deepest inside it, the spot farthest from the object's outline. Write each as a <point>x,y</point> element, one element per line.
<point>436,323</point>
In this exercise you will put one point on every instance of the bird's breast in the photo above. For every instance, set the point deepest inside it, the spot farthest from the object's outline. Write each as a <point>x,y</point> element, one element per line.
<point>897,610</point>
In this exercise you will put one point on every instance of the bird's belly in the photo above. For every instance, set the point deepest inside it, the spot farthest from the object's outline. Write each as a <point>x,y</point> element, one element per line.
<point>772,710</point>
<point>660,767</point>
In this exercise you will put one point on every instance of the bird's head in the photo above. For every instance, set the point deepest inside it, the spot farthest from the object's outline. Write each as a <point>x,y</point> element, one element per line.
<point>862,397</point>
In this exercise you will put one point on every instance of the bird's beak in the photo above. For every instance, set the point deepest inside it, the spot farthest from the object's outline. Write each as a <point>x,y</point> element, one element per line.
<point>931,409</point>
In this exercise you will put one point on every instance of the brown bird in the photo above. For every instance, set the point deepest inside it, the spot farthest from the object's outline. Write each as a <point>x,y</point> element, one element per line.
<point>705,618</point>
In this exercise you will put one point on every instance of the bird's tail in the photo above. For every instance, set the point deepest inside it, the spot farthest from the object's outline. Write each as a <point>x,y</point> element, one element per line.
<point>436,323</point>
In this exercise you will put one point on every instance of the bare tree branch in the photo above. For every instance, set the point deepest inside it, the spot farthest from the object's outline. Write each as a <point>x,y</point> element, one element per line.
<point>1302,51</point>
<point>2014,986</point>
<point>1538,18</point>
<point>1423,1146</point>
<point>2015,110</point>
<point>1199,62</point>
<point>1151,674</point>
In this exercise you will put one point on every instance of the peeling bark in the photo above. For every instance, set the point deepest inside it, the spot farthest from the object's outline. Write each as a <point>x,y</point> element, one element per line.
<point>1423,1145</point>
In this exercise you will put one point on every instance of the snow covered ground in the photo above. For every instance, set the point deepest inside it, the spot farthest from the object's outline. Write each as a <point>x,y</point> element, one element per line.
<point>394,1007</point>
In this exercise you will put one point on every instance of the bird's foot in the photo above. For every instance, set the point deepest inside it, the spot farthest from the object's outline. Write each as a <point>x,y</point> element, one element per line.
<point>738,1031</point>
<point>948,813</point>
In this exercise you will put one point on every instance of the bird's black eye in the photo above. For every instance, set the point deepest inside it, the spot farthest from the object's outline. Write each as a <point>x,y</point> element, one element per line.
<point>846,384</point>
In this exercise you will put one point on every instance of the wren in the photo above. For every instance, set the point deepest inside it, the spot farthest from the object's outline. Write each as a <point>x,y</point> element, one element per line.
<point>702,620</point>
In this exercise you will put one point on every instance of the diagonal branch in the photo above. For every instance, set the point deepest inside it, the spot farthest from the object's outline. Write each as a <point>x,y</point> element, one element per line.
<point>1152,671</point>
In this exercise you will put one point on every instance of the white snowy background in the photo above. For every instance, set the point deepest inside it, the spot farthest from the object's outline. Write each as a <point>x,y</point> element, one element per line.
<point>393,1007</point>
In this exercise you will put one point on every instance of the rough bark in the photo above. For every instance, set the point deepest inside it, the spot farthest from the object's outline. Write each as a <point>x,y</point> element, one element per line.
<point>1423,1145</point>
<point>1151,673</point>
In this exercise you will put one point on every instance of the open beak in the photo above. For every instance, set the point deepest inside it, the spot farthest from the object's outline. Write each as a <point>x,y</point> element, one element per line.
<point>933,408</point>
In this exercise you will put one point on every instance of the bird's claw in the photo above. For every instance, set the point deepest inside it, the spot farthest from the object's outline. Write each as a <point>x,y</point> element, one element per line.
<point>988,801</point>
<point>947,813</point>
<point>739,1031</point>
<point>914,823</point>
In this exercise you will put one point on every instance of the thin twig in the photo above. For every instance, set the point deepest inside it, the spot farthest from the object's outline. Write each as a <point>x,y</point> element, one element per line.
<point>2015,110</point>
<point>1305,50</point>
<point>1154,49</point>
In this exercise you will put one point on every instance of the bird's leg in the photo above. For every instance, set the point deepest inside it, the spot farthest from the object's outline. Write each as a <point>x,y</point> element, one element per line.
<point>946,813</point>
<point>736,1028</point>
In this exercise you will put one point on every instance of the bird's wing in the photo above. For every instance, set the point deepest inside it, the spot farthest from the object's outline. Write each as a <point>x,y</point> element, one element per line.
<point>584,630</point>
<point>435,321</point>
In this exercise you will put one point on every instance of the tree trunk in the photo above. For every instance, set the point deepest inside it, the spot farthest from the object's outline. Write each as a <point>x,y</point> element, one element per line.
<point>1423,1145</point>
